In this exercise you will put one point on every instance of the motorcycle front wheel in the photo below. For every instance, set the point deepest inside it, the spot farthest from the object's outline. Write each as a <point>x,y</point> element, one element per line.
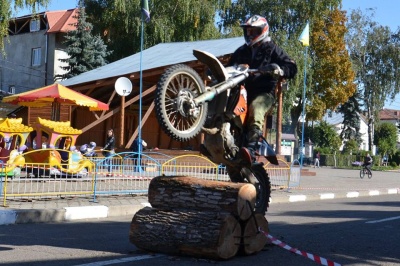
<point>176,112</point>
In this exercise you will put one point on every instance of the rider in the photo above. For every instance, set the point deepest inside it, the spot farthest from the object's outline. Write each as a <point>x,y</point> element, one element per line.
<point>368,161</point>
<point>260,52</point>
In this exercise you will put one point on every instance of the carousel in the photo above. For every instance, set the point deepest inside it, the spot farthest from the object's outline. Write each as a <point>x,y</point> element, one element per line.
<point>13,136</point>
<point>46,148</point>
<point>50,151</point>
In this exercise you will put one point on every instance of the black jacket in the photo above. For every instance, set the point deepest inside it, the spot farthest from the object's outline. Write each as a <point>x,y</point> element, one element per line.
<point>267,53</point>
<point>110,144</point>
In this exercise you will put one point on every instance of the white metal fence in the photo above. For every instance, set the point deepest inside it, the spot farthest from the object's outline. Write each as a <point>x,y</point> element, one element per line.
<point>123,173</point>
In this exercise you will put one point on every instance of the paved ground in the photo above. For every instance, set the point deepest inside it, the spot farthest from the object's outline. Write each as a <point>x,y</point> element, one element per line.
<point>328,183</point>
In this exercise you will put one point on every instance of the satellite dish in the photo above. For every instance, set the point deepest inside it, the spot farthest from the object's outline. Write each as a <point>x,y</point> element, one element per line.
<point>123,86</point>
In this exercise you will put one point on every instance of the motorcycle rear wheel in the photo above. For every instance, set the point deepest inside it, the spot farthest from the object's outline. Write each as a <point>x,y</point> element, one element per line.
<point>175,110</point>
<point>263,185</point>
<point>263,188</point>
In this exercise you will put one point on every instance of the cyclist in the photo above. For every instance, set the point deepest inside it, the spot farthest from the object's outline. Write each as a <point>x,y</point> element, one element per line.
<point>368,162</point>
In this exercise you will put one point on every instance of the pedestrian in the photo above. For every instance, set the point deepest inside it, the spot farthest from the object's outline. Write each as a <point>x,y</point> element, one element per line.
<point>108,149</point>
<point>317,157</point>
<point>136,147</point>
<point>45,139</point>
<point>260,52</point>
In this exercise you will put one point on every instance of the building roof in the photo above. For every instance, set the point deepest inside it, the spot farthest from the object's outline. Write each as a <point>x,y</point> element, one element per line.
<point>336,119</point>
<point>389,114</point>
<point>333,118</point>
<point>61,21</point>
<point>160,55</point>
<point>287,136</point>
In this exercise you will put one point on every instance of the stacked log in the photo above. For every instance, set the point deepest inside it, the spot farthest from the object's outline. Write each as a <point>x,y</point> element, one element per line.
<point>183,192</point>
<point>203,218</point>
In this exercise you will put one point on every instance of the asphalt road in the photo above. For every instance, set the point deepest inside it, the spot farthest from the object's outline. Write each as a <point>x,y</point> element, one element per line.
<point>355,231</point>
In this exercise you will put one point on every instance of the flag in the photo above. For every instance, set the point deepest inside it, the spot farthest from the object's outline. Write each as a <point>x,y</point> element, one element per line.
<point>305,36</point>
<point>145,11</point>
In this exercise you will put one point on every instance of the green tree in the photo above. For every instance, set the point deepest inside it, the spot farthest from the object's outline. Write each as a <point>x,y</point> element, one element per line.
<point>351,146</point>
<point>375,53</point>
<point>85,51</point>
<point>119,22</point>
<point>324,136</point>
<point>6,10</point>
<point>333,77</point>
<point>351,111</point>
<point>385,138</point>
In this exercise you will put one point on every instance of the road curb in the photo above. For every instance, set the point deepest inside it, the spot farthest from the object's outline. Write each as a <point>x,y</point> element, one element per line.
<point>14,216</point>
<point>331,195</point>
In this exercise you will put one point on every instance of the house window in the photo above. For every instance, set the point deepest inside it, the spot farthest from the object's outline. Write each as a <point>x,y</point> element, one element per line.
<point>34,25</point>
<point>11,89</point>
<point>36,56</point>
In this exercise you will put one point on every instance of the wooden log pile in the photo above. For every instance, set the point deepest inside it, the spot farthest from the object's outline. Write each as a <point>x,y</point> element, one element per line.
<point>202,218</point>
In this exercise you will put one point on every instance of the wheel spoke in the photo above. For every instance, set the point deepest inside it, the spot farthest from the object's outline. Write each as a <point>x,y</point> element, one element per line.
<point>180,82</point>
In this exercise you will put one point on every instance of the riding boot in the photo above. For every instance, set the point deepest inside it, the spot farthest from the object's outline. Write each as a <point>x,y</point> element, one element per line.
<point>253,136</point>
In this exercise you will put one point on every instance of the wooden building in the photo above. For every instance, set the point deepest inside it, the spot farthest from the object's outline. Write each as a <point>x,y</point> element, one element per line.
<point>123,115</point>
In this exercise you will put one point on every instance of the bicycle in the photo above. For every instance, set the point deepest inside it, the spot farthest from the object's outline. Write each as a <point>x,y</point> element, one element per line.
<point>365,171</point>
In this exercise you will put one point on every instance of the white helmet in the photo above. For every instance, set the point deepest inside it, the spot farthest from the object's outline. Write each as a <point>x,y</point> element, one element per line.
<point>255,29</point>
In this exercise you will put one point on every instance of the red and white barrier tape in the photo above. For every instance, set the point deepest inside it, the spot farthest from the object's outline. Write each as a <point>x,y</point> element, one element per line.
<point>107,174</point>
<point>317,259</point>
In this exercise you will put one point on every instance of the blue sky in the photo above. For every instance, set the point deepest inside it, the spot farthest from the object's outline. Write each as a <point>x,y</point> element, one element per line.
<point>386,14</point>
<point>53,6</point>
<point>386,11</point>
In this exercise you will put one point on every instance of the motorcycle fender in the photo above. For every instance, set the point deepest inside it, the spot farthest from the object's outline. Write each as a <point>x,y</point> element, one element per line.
<point>217,69</point>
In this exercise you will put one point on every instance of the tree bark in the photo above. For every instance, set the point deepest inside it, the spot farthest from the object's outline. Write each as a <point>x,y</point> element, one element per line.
<point>214,235</point>
<point>182,192</point>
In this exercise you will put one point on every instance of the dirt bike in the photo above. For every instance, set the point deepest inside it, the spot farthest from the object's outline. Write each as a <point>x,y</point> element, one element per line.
<point>185,107</point>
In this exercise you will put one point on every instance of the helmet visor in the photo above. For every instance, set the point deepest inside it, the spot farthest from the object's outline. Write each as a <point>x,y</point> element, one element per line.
<point>251,33</point>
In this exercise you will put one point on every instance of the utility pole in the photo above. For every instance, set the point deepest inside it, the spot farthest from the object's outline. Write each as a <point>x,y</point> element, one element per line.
<point>279,96</point>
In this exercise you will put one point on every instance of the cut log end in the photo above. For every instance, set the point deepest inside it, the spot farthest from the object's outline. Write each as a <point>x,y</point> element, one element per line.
<point>246,201</point>
<point>253,239</point>
<point>230,239</point>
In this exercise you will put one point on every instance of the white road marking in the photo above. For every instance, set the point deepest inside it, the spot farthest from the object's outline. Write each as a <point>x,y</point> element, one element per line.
<point>374,192</point>
<point>295,198</point>
<point>85,212</point>
<point>116,261</point>
<point>327,196</point>
<point>383,220</point>
<point>352,194</point>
